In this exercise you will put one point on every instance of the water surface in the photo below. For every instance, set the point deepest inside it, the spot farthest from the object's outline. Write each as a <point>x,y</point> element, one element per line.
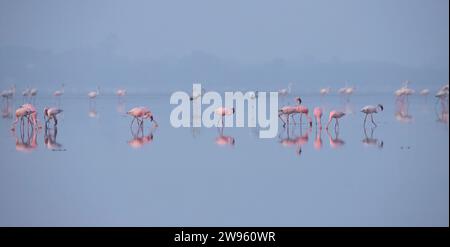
<point>93,171</point>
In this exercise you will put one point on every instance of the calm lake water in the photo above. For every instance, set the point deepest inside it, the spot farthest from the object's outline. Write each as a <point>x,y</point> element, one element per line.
<point>94,172</point>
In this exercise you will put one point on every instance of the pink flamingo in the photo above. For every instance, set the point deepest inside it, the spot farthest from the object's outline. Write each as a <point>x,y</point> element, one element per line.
<point>224,111</point>
<point>60,92</point>
<point>318,116</point>
<point>335,115</point>
<point>140,113</point>
<point>292,110</point>
<point>286,111</point>
<point>50,113</point>
<point>93,94</point>
<point>370,110</point>
<point>33,114</point>
<point>21,113</point>
<point>303,110</point>
<point>121,92</point>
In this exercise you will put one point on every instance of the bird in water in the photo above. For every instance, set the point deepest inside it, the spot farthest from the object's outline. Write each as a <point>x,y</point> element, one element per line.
<point>51,113</point>
<point>370,110</point>
<point>335,115</point>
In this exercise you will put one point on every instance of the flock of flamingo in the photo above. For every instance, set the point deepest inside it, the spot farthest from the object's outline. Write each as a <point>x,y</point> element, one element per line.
<point>27,113</point>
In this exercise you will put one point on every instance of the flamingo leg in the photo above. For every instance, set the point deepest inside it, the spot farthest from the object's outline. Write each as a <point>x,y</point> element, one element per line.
<point>284,123</point>
<point>371,117</point>
<point>365,119</point>
<point>55,120</point>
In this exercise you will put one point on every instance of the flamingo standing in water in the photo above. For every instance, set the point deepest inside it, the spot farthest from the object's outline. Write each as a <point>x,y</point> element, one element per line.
<point>318,116</point>
<point>285,91</point>
<point>58,93</point>
<point>370,110</point>
<point>335,115</point>
<point>140,113</point>
<point>32,115</point>
<point>93,94</point>
<point>50,113</point>
<point>121,92</point>
<point>424,92</point>
<point>21,113</point>
<point>8,93</point>
<point>224,111</point>
<point>325,91</point>
<point>26,93</point>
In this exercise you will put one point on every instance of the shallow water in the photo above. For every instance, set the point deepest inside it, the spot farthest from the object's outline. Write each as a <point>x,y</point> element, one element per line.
<point>94,173</point>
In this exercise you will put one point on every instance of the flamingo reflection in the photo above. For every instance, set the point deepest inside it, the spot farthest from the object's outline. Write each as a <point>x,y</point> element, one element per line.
<point>296,141</point>
<point>223,140</point>
<point>26,141</point>
<point>371,141</point>
<point>139,139</point>
<point>402,111</point>
<point>318,140</point>
<point>335,142</point>
<point>50,139</point>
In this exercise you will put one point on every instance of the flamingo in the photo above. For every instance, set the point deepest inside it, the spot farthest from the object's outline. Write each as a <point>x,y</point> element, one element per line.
<point>198,95</point>
<point>335,115</point>
<point>33,92</point>
<point>292,110</point>
<point>21,113</point>
<point>33,114</point>
<point>325,91</point>
<point>9,93</point>
<point>286,111</point>
<point>285,91</point>
<point>121,92</point>
<point>26,92</point>
<point>140,113</point>
<point>424,92</point>
<point>60,92</point>
<point>404,91</point>
<point>94,94</point>
<point>303,110</point>
<point>51,113</point>
<point>318,116</point>
<point>224,111</point>
<point>370,110</point>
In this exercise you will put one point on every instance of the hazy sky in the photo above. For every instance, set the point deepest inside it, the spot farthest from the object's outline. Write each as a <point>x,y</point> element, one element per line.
<point>407,32</point>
